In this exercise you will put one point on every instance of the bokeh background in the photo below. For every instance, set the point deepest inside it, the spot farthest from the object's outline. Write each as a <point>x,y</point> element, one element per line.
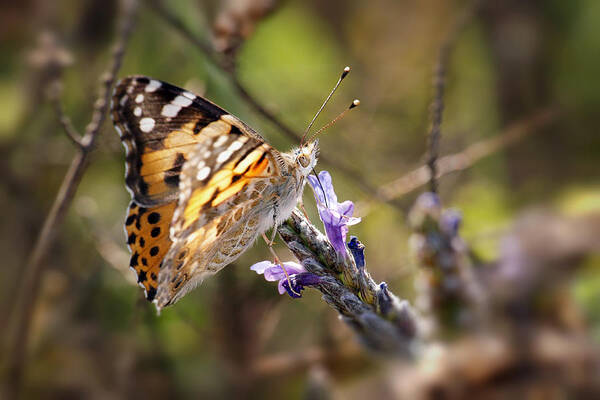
<point>92,333</point>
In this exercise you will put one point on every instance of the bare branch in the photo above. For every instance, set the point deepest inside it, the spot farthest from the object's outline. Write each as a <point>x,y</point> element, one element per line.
<point>54,95</point>
<point>35,267</point>
<point>466,158</point>
<point>439,83</point>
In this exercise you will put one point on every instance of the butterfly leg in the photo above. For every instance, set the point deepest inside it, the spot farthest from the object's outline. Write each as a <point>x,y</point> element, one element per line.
<point>278,262</point>
<point>301,206</point>
<point>272,241</point>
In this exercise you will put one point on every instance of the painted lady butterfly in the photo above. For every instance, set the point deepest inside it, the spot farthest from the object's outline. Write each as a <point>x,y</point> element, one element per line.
<point>203,184</point>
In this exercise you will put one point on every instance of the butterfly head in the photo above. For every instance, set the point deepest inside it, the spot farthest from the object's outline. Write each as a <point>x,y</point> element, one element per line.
<point>305,156</point>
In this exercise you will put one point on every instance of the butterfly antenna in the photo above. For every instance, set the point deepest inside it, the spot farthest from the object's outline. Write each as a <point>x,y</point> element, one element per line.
<point>322,189</point>
<point>345,72</point>
<point>354,104</point>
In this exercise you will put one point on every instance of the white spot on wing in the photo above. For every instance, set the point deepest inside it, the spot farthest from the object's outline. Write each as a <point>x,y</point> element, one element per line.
<point>119,131</point>
<point>123,100</point>
<point>203,173</point>
<point>170,110</point>
<point>139,98</point>
<point>146,124</point>
<point>220,141</point>
<point>152,86</point>
<point>224,156</point>
<point>137,112</point>
<point>189,95</point>
<point>235,146</point>
<point>181,101</point>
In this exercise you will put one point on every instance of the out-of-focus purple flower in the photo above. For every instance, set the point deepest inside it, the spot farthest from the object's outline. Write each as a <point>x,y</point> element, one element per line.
<point>335,216</point>
<point>358,251</point>
<point>299,277</point>
<point>427,208</point>
<point>450,221</point>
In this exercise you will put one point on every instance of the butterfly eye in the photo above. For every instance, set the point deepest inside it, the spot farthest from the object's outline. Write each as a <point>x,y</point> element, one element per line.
<point>303,160</point>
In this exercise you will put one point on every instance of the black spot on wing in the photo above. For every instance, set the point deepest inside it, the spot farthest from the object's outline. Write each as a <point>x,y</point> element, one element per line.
<point>151,294</point>
<point>142,276</point>
<point>134,260</point>
<point>131,239</point>
<point>153,217</point>
<point>130,219</point>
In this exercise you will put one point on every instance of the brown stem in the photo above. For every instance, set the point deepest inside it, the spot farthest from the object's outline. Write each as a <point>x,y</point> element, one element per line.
<point>469,156</point>
<point>436,108</point>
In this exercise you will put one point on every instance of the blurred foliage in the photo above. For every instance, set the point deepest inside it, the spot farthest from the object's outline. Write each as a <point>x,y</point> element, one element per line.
<point>94,335</point>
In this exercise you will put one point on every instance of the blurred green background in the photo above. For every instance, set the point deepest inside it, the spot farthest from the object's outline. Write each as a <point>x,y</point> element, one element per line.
<point>93,335</point>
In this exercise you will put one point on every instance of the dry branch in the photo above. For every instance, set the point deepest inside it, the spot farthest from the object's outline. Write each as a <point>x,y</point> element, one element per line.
<point>468,157</point>
<point>436,108</point>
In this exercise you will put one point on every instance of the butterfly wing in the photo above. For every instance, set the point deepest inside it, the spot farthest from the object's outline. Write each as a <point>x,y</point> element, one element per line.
<point>159,125</point>
<point>221,210</point>
<point>148,240</point>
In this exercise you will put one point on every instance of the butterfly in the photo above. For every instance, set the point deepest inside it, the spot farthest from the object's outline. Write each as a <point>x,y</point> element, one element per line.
<point>203,185</point>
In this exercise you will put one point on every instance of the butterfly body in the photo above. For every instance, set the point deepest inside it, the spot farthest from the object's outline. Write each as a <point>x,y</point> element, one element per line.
<point>204,185</point>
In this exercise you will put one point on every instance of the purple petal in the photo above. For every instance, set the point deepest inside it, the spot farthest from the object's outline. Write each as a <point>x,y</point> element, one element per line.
<point>293,268</point>
<point>280,287</point>
<point>328,186</point>
<point>261,266</point>
<point>337,237</point>
<point>336,216</point>
<point>274,273</point>
<point>298,282</point>
<point>346,208</point>
<point>314,184</point>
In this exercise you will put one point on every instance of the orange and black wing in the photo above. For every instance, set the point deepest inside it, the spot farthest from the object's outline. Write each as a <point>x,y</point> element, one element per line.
<point>148,240</point>
<point>159,125</point>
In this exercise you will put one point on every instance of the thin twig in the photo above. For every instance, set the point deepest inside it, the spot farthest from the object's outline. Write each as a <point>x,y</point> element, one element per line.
<point>65,121</point>
<point>439,84</point>
<point>467,157</point>
<point>229,68</point>
<point>35,267</point>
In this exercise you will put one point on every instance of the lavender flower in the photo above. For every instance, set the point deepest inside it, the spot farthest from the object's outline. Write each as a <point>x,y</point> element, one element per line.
<point>450,222</point>
<point>336,216</point>
<point>299,277</point>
